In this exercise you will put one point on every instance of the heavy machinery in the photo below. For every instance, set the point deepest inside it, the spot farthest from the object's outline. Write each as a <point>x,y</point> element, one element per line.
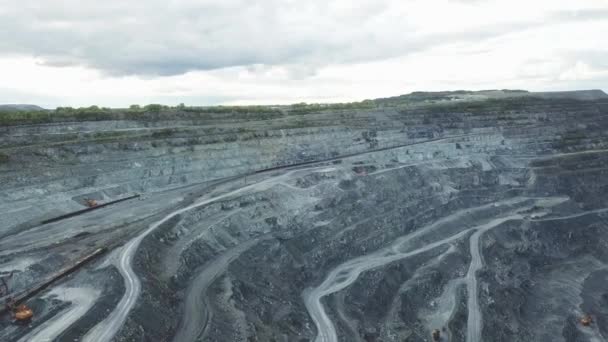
<point>91,203</point>
<point>21,313</point>
<point>586,320</point>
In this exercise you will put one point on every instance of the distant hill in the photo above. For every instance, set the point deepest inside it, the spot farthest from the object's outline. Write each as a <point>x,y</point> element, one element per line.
<point>19,107</point>
<point>594,94</point>
<point>466,95</point>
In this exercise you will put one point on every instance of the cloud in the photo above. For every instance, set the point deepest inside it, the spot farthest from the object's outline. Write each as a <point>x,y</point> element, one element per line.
<point>582,71</point>
<point>202,52</point>
<point>160,37</point>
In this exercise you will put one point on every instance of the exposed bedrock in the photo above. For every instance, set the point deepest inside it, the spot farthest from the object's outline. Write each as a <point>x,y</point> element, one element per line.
<point>484,218</point>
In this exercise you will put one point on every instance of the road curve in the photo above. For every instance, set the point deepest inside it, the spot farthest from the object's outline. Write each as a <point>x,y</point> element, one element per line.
<point>105,330</point>
<point>196,315</point>
<point>312,297</point>
<point>474,318</point>
<point>345,274</point>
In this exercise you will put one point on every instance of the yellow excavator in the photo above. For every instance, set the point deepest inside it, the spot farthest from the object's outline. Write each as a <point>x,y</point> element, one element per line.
<point>21,313</point>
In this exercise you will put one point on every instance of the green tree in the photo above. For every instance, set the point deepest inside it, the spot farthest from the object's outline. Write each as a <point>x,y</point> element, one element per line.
<point>153,107</point>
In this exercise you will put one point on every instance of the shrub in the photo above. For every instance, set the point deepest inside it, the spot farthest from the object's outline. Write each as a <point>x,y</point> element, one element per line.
<point>305,108</point>
<point>154,107</point>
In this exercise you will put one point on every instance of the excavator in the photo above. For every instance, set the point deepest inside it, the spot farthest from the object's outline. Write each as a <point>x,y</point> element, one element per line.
<point>91,203</point>
<point>21,313</point>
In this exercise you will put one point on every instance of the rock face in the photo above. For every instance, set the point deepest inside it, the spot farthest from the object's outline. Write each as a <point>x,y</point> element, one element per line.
<point>481,214</point>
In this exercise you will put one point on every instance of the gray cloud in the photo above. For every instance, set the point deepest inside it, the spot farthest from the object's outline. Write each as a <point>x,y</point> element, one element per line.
<point>172,37</point>
<point>157,37</point>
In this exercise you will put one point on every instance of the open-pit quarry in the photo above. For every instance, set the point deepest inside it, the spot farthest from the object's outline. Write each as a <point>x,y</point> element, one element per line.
<point>452,216</point>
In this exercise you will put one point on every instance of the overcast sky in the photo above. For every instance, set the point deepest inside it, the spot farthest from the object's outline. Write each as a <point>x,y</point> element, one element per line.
<point>199,52</point>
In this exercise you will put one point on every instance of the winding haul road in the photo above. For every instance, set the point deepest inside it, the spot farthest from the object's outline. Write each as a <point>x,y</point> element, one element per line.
<point>474,317</point>
<point>345,274</point>
<point>107,329</point>
<point>196,313</point>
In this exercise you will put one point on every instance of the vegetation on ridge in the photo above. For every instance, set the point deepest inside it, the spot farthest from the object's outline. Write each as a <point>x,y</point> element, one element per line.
<point>429,102</point>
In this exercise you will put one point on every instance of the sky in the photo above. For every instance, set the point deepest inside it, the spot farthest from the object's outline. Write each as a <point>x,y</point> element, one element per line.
<point>116,53</point>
